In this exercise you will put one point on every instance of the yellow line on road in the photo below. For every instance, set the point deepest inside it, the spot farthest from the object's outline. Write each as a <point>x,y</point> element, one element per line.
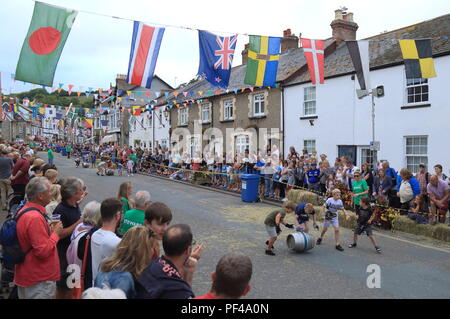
<point>413,243</point>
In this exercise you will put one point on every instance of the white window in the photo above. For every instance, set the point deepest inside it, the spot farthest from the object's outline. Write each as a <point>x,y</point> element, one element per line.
<point>309,104</point>
<point>194,146</point>
<point>183,116</point>
<point>206,113</point>
<point>416,152</point>
<point>242,143</point>
<point>417,90</point>
<point>309,145</point>
<point>368,156</point>
<point>258,104</point>
<point>228,110</point>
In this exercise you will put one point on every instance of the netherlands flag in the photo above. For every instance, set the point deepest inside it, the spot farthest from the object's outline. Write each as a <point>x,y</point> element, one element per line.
<point>144,53</point>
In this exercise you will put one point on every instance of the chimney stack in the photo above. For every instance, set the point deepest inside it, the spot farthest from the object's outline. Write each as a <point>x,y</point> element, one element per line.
<point>245,54</point>
<point>343,26</point>
<point>288,41</point>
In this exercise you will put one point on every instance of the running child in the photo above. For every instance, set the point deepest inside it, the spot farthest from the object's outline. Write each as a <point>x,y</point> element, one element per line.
<point>273,221</point>
<point>333,204</point>
<point>302,212</point>
<point>364,223</point>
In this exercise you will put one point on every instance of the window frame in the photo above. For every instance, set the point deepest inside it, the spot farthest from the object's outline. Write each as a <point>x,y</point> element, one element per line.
<point>184,114</point>
<point>422,83</point>
<point>308,148</point>
<point>422,157</point>
<point>259,102</point>
<point>204,107</point>
<point>239,144</point>
<point>228,104</point>
<point>307,95</point>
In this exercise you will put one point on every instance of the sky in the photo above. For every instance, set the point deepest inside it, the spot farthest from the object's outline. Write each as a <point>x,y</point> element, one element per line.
<point>98,47</point>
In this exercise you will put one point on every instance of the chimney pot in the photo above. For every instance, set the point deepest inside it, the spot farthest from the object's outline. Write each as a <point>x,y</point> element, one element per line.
<point>288,41</point>
<point>344,28</point>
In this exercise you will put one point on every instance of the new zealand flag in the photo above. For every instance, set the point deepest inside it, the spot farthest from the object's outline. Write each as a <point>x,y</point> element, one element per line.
<point>216,57</point>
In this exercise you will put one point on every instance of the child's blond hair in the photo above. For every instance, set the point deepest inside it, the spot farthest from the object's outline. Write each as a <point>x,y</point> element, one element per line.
<point>335,191</point>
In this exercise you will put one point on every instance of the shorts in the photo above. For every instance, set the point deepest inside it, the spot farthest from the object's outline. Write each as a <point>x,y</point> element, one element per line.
<point>42,290</point>
<point>360,229</point>
<point>261,180</point>
<point>334,222</point>
<point>272,231</point>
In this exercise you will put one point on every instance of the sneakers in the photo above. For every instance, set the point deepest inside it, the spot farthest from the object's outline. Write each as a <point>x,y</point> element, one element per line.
<point>269,252</point>
<point>319,241</point>
<point>339,247</point>
<point>378,249</point>
<point>352,245</point>
<point>267,244</point>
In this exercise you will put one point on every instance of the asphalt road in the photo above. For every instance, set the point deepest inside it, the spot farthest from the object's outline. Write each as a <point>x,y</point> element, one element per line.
<point>410,267</point>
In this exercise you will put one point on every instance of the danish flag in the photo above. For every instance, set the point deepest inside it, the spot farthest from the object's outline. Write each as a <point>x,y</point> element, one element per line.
<point>225,53</point>
<point>314,54</point>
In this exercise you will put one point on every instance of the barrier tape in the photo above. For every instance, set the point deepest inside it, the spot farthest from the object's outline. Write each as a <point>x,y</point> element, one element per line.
<point>320,194</point>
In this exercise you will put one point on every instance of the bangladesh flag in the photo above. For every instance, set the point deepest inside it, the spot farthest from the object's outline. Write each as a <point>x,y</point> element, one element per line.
<point>44,43</point>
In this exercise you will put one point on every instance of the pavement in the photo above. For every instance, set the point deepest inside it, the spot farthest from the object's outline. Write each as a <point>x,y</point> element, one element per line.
<point>410,267</point>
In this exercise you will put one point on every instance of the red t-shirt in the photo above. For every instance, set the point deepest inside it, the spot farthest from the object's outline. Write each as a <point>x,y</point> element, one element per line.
<point>21,165</point>
<point>209,295</point>
<point>42,262</point>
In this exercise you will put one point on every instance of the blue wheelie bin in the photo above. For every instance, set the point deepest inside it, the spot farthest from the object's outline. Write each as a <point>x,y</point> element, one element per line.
<point>250,183</point>
<point>63,152</point>
<point>58,149</point>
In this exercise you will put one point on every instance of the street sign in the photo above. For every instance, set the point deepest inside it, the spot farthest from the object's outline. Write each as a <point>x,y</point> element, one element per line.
<point>375,146</point>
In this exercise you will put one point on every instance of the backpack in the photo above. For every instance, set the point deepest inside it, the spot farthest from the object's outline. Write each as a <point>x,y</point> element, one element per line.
<point>12,253</point>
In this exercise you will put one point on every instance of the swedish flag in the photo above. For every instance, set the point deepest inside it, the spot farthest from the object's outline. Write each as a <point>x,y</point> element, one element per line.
<point>418,58</point>
<point>263,57</point>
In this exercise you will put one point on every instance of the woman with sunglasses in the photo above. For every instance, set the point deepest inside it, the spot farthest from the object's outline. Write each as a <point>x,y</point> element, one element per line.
<point>360,189</point>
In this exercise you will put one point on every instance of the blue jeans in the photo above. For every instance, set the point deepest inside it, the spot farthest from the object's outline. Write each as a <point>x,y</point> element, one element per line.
<point>50,160</point>
<point>268,185</point>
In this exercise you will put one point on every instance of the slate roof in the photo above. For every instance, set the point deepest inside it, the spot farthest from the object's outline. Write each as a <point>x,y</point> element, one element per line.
<point>386,50</point>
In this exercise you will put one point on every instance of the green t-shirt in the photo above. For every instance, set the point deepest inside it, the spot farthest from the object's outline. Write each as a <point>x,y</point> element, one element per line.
<point>132,218</point>
<point>68,148</point>
<point>126,205</point>
<point>133,157</point>
<point>359,187</point>
<point>50,154</point>
<point>271,218</point>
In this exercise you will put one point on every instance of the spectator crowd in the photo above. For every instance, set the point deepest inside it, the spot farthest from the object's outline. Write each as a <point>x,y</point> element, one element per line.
<point>108,249</point>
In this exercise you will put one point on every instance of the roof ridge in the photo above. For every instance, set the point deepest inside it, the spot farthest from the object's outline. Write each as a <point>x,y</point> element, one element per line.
<point>406,27</point>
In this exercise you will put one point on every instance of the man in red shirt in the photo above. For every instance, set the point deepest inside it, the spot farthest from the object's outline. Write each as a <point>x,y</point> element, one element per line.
<point>231,280</point>
<point>36,277</point>
<point>20,177</point>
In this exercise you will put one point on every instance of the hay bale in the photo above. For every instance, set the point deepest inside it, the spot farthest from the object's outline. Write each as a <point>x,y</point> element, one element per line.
<point>347,219</point>
<point>404,224</point>
<point>439,232</point>
<point>320,213</point>
<point>299,196</point>
<point>442,232</point>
